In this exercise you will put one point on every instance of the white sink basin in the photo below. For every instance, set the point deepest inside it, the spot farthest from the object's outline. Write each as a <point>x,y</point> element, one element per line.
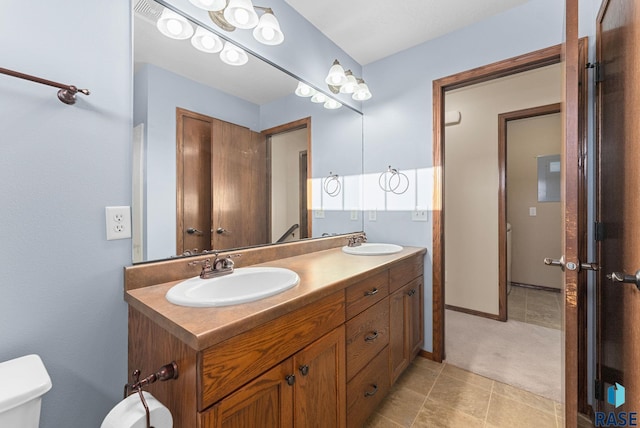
<point>241,286</point>
<point>372,249</point>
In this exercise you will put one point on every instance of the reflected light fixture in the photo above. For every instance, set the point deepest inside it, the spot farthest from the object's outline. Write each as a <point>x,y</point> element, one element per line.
<point>210,4</point>
<point>206,41</point>
<point>173,25</point>
<point>319,97</point>
<point>233,55</point>
<point>332,104</point>
<point>344,82</point>
<point>242,14</point>
<point>304,90</point>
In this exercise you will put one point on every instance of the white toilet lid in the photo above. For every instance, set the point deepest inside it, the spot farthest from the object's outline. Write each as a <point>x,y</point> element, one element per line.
<point>129,413</point>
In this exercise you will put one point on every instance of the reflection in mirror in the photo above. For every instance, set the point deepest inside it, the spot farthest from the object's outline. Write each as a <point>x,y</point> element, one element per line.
<point>228,157</point>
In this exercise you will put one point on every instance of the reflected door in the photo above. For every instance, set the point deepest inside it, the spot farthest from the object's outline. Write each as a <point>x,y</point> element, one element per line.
<point>193,184</point>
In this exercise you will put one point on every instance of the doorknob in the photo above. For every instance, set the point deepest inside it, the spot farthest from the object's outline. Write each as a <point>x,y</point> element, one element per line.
<point>626,279</point>
<point>552,262</point>
<point>194,231</point>
<point>570,265</point>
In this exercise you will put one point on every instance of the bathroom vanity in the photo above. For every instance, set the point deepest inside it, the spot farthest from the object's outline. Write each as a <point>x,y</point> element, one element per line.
<point>323,353</point>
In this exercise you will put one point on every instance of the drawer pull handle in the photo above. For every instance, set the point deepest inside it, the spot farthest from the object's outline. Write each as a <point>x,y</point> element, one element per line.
<point>291,379</point>
<point>412,292</point>
<point>373,392</point>
<point>304,370</point>
<point>373,337</point>
<point>371,292</point>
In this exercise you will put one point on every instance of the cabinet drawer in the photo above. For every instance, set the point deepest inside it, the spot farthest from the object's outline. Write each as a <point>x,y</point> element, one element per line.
<point>365,293</point>
<point>368,389</point>
<point>367,334</point>
<point>405,271</point>
<point>234,362</point>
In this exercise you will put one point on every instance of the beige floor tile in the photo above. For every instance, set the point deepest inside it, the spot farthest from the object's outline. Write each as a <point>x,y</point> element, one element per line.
<point>518,291</point>
<point>378,421</point>
<point>417,379</point>
<point>543,317</point>
<point>525,397</point>
<point>428,364</point>
<point>435,414</point>
<point>463,396</point>
<point>507,413</point>
<point>466,376</point>
<point>401,406</point>
<point>516,314</point>
<point>519,301</point>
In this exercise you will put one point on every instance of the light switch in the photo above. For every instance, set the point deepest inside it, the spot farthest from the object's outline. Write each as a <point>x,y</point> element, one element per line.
<point>532,212</point>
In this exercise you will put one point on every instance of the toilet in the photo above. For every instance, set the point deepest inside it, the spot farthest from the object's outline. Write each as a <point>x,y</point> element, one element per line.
<point>24,381</point>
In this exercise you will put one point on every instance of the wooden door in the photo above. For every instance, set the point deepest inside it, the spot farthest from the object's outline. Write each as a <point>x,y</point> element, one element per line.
<point>193,182</point>
<point>618,317</point>
<point>265,402</point>
<point>240,187</point>
<point>319,399</point>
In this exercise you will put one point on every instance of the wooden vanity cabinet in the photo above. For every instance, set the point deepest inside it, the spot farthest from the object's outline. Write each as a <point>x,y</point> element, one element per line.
<point>305,390</point>
<point>406,316</point>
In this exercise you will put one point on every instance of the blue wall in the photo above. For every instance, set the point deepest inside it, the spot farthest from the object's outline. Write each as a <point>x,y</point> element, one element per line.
<point>60,165</point>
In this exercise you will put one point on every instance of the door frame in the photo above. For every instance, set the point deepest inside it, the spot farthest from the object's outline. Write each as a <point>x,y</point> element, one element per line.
<point>304,123</point>
<point>503,120</point>
<point>518,64</point>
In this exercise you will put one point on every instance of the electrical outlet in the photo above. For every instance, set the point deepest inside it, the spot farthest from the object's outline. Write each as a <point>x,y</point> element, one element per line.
<point>420,215</point>
<point>354,215</point>
<point>318,213</point>
<point>118,222</point>
<point>373,215</point>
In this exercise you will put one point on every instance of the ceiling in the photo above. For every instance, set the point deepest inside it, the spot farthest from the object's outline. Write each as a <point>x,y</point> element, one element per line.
<point>364,29</point>
<point>370,30</point>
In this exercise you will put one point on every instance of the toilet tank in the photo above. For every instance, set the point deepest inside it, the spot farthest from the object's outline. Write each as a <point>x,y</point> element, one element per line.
<point>23,381</point>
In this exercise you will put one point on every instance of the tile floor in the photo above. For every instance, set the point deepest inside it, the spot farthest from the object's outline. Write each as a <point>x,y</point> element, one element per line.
<point>431,394</point>
<point>535,306</point>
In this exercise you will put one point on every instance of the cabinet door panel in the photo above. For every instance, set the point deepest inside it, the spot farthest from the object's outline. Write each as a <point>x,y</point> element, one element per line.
<point>264,402</point>
<point>416,317</point>
<point>319,399</point>
<point>367,334</point>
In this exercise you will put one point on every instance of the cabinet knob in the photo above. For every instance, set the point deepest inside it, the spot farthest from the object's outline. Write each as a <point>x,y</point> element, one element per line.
<point>412,292</point>
<point>372,392</point>
<point>291,379</point>
<point>371,338</point>
<point>304,370</point>
<point>372,292</point>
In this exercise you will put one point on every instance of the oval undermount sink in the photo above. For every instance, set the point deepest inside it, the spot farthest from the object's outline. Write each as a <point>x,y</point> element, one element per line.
<point>243,285</point>
<point>372,249</point>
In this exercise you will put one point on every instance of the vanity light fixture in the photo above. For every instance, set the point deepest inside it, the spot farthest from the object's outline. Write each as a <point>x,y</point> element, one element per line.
<point>233,55</point>
<point>173,25</point>
<point>206,41</point>
<point>319,97</point>
<point>232,14</point>
<point>340,81</point>
<point>304,90</point>
<point>210,4</point>
<point>332,104</point>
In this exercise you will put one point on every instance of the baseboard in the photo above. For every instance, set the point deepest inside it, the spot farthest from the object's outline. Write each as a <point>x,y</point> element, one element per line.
<point>428,355</point>
<point>537,287</point>
<point>473,312</point>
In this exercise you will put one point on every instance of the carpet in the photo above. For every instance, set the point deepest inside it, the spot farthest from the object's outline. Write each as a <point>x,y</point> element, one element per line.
<point>522,355</point>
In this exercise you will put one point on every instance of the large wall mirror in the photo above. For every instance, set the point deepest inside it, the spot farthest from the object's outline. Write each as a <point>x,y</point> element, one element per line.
<point>228,157</point>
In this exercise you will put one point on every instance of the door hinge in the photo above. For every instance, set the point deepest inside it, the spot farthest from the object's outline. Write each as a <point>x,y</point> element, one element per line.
<point>598,71</point>
<point>598,389</point>
<point>598,231</point>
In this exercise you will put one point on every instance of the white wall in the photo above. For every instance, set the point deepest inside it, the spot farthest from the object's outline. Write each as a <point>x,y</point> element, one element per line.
<point>533,237</point>
<point>472,181</point>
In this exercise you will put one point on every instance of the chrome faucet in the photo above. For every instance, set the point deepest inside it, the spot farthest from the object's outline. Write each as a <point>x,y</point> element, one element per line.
<point>220,266</point>
<point>357,240</point>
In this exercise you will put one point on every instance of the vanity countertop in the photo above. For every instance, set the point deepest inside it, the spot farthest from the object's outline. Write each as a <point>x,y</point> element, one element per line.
<point>321,274</point>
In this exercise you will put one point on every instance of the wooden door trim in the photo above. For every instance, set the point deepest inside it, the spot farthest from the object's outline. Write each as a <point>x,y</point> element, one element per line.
<point>180,113</point>
<point>529,61</point>
<point>503,120</point>
<point>287,127</point>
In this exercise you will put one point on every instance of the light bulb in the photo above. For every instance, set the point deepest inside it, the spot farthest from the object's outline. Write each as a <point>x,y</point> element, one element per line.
<point>174,26</point>
<point>268,33</point>
<point>319,98</point>
<point>232,56</point>
<point>242,17</point>
<point>304,90</point>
